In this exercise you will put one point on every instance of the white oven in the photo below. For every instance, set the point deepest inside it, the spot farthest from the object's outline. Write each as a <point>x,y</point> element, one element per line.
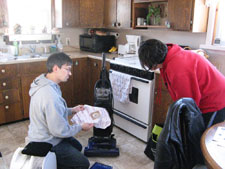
<point>135,116</point>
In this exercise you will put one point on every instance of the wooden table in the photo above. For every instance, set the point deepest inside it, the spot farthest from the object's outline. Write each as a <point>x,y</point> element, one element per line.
<point>214,155</point>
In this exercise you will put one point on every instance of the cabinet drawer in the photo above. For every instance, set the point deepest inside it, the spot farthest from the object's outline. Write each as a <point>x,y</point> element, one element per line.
<point>8,70</point>
<point>9,96</point>
<point>10,112</point>
<point>32,68</point>
<point>9,83</point>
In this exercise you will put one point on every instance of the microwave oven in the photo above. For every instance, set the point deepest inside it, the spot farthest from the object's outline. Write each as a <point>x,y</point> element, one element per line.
<point>96,43</point>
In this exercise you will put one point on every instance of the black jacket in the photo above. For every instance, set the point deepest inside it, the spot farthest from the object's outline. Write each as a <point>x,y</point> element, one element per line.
<point>177,149</point>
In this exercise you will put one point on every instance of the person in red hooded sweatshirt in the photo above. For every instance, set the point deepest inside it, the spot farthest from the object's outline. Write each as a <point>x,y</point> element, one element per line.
<point>187,74</point>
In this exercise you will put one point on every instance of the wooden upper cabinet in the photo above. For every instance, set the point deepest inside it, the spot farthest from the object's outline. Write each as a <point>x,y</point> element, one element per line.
<point>3,13</point>
<point>117,13</point>
<point>124,13</point>
<point>188,15</point>
<point>110,13</point>
<point>70,13</point>
<point>91,13</point>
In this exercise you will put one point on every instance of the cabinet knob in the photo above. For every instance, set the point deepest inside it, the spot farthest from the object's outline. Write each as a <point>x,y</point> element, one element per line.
<point>7,107</point>
<point>6,97</point>
<point>3,71</point>
<point>95,64</point>
<point>118,24</point>
<point>76,63</point>
<point>4,84</point>
<point>114,24</point>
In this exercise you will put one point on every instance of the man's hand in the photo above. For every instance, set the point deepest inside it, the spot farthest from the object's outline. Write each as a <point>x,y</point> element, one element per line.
<point>77,108</point>
<point>87,126</point>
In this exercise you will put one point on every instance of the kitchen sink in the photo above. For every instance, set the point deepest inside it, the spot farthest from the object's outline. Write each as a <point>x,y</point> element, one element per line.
<point>32,56</point>
<point>24,57</point>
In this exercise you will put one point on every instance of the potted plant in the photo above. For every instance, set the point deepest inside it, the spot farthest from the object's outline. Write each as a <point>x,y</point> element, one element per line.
<point>153,17</point>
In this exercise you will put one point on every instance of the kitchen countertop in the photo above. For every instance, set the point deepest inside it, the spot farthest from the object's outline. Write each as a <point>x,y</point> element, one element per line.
<point>71,51</point>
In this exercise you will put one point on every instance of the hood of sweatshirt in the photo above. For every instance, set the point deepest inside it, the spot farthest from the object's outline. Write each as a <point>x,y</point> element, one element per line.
<point>40,82</point>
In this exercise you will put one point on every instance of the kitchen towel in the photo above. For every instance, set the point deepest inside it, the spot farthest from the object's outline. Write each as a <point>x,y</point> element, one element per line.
<point>90,114</point>
<point>121,85</point>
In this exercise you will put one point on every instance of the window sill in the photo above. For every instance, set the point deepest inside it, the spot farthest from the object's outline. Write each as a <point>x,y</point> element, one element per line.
<point>212,47</point>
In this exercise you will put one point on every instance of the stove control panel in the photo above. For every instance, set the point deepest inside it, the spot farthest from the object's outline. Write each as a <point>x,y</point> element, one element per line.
<point>132,71</point>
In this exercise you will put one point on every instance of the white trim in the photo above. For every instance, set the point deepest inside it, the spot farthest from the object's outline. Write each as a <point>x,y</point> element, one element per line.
<point>213,47</point>
<point>211,22</point>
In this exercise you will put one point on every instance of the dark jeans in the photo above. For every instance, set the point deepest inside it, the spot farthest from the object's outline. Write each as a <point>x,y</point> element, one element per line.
<point>220,117</point>
<point>69,156</point>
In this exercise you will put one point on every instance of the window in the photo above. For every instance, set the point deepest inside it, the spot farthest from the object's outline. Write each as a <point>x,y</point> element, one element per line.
<point>29,17</point>
<point>220,24</point>
<point>215,38</point>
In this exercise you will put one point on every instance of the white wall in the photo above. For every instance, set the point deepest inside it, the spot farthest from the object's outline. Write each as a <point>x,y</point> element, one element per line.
<point>73,34</point>
<point>167,36</point>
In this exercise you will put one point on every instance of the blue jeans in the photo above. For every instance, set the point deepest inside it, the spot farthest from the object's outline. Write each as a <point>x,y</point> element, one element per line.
<point>69,156</point>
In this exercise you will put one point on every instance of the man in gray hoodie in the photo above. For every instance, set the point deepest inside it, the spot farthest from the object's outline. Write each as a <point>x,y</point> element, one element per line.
<point>49,115</point>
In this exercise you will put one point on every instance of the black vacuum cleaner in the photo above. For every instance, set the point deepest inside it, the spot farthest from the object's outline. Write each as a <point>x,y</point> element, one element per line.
<point>103,143</point>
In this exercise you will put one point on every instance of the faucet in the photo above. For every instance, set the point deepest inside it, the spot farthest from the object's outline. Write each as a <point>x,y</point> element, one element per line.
<point>32,48</point>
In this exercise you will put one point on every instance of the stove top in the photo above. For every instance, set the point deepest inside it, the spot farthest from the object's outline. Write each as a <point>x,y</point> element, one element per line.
<point>128,62</point>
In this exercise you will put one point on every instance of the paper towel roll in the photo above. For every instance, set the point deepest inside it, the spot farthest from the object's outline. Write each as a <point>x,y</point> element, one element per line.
<point>115,34</point>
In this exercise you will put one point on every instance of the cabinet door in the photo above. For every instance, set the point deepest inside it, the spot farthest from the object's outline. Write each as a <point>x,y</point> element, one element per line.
<point>70,13</point>
<point>81,81</point>
<point>95,67</point>
<point>180,14</point>
<point>10,112</point>
<point>162,101</point>
<point>25,83</point>
<point>28,72</point>
<point>110,13</point>
<point>91,13</point>
<point>124,13</point>
<point>67,91</point>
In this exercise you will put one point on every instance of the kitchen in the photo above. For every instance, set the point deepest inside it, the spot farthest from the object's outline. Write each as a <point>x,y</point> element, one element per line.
<point>76,23</point>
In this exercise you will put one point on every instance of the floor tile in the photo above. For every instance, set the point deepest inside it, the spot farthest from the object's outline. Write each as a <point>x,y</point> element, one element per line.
<point>131,149</point>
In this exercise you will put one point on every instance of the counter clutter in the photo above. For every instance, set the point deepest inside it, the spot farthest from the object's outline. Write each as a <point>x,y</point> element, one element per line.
<point>71,51</point>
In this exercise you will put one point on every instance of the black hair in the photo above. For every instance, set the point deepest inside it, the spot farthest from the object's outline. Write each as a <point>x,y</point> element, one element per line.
<point>152,52</point>
<point>58,59</point>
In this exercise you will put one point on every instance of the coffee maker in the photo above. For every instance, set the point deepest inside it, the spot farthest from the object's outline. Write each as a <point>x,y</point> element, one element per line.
<point>131,47</point>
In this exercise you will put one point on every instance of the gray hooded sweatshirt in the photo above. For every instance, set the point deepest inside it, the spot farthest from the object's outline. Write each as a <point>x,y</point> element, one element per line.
<point>48,113</point>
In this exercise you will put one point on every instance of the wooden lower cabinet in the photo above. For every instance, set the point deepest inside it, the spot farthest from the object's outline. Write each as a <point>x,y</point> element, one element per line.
<point>67,91</point>
<point>25,83</point>
<point>10,96</point>
<point>95,67</point>
<point>162,101</point>
<point>10,112</point>
<point>28,72</point>
<point>32,70</point>
<point>80,81</point>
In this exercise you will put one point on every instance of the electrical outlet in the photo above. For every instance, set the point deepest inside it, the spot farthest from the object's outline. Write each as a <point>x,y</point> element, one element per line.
<point>67,41</point>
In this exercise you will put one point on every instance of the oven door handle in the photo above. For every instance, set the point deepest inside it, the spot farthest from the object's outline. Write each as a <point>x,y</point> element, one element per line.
<point>130,119</point>
<point>134,78</point>
<point>140,80</point>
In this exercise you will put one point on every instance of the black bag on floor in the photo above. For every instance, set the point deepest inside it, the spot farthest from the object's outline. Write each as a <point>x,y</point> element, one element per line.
<point>150,149</point>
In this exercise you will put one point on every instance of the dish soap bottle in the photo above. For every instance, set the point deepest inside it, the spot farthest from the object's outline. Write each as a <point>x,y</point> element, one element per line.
<point>15,44</point>
<point>59,44</point>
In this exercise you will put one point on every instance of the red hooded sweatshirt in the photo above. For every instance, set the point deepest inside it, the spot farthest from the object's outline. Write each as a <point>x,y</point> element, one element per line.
<point>187,74</point>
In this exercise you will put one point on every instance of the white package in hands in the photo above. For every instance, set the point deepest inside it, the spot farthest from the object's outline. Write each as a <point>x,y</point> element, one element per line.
<point>90,114</point>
